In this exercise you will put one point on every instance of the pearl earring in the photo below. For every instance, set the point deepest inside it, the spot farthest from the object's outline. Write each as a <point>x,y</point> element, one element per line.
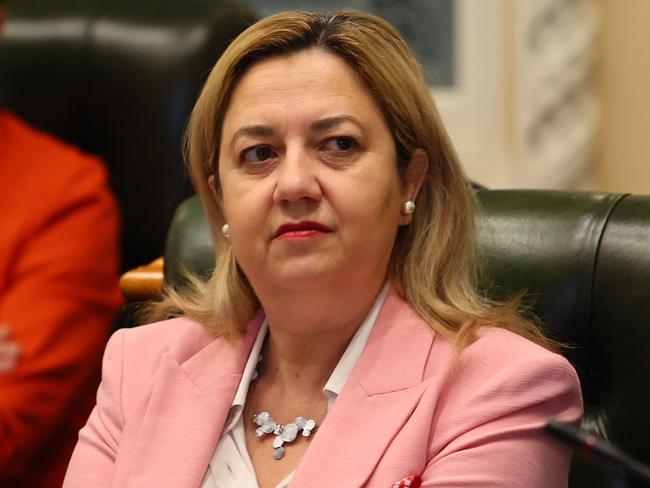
<point>225,230</point>
<point>408,208</point>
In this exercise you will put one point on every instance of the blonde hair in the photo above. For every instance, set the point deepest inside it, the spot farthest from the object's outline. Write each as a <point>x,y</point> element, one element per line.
<point>434,261</point>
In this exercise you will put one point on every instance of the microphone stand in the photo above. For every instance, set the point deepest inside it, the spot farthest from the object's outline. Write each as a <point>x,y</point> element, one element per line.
<point>599,449</point>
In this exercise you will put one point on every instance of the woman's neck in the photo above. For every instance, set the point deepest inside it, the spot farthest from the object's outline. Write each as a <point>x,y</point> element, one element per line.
<point>309,334</point>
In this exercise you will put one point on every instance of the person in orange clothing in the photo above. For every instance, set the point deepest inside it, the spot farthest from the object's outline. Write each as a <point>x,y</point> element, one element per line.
<point>59,264</point>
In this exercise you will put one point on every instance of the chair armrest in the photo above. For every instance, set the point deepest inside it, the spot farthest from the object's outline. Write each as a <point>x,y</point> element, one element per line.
<point>144,282</point>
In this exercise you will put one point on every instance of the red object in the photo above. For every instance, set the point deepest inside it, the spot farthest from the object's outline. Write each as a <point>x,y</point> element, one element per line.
<point>589,443</point>
<point>409,482</point>
<point>59,267</point>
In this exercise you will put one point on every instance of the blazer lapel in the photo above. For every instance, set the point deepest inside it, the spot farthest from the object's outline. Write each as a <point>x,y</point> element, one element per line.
<point>381,393</point>
<point>186,413</point>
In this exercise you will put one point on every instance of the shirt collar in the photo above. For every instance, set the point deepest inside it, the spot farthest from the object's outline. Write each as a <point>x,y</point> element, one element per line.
<point>352,353</point>
<point>249,369</point>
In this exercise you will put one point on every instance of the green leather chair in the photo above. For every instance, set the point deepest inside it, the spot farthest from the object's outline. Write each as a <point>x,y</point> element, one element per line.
<point>584,261</point>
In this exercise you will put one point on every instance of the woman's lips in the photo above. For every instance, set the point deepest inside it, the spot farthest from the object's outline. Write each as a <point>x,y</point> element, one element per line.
<point>300,235</point>
<point>301,231</point>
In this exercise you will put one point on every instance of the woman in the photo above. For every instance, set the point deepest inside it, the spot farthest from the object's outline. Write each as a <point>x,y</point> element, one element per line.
<point>341,340</point>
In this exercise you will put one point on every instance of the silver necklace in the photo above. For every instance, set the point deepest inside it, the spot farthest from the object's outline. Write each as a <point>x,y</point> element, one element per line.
<point>284,433</point>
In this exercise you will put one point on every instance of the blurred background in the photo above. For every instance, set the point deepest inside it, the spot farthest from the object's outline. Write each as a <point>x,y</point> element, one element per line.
<point>535,93</point>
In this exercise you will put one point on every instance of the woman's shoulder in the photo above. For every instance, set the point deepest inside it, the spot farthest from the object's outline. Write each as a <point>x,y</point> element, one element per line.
<point>494,348</point>
<point>180,337</point>
<point>501,348</point>
<point>501,387</point>
<point>134,357</point>
<point>503,368</point>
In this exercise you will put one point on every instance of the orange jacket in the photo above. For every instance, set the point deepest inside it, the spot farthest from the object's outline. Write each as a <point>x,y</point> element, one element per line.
<point>58,295</point>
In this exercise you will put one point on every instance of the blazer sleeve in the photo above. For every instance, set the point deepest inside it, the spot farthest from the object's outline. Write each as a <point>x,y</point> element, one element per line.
<point>495,426</point>
<point>91,465</point>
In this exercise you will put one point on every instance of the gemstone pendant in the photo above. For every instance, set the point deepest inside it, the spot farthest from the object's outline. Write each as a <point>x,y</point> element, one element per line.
<point>283,433</point>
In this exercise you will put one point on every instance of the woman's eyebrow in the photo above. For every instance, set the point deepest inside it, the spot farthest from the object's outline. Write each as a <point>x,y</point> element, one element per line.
<point>322,125</point>
<point>256,130</point>
<point>331,122</point>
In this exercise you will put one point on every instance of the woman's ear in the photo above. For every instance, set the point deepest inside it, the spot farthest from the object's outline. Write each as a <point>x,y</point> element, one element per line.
<point>413,177</point>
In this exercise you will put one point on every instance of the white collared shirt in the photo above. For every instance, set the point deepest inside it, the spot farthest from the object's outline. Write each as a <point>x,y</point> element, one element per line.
<point>231,466</point>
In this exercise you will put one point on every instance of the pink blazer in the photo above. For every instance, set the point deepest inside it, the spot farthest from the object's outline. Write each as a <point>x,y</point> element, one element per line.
<point>167,388</point>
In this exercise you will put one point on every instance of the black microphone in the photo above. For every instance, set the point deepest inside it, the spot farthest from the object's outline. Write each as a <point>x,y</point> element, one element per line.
<point>592,446</point>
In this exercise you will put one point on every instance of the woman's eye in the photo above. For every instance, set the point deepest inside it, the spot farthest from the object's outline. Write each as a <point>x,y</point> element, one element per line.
<point>340,144</point>
<point>258,154</point>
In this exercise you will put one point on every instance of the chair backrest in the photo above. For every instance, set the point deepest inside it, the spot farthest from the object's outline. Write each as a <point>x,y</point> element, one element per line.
<point>583,260</point>
<point>118,78</point>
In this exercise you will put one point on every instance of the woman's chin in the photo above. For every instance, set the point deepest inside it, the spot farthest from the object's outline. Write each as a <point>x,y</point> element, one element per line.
<point>305,274</point>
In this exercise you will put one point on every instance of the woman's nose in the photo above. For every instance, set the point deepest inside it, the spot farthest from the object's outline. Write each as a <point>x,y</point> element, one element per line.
<point>297,178</point>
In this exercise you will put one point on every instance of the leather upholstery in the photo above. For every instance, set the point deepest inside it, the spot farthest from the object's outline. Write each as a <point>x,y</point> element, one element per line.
<point>184,253</point>
<point>583,260</point>
<point>620,322</point>
<point>118,78</point>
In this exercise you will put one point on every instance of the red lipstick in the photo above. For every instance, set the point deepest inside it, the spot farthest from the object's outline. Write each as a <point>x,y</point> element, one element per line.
<point>301,230</point>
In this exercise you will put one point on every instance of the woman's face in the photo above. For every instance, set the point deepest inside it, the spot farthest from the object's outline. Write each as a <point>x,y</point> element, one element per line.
<point>308,176</point>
